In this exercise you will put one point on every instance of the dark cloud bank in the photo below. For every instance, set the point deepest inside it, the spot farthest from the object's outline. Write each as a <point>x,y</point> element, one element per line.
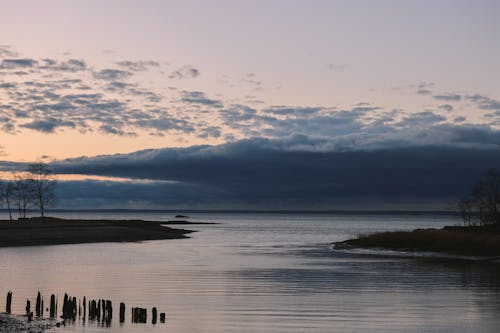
<point>266,174</point>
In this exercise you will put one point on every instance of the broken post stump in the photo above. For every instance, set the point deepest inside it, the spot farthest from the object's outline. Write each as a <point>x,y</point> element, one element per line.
<point>162,317</point>
<point>38,304</point>
<point>109,311</point>
<point>122,312</point>
<point>28,307</point>
<point>154,315</point>
<point>84,305</point>
<point>52,306</point>
<point>8,306</point>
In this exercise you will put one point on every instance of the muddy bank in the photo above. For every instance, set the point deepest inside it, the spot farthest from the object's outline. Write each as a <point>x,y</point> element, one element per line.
<point>52,231</point>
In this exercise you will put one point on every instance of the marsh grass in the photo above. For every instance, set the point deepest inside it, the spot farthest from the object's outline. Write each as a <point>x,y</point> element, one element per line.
<point>477,241</point>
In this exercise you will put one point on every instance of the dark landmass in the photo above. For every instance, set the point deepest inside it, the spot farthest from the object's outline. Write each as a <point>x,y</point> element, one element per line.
<point>181,216</point>
<point>467,241</point>
<point>51,231</point>
<point>174,222</point>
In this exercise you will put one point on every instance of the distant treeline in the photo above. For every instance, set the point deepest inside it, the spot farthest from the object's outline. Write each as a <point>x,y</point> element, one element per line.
<point>29,190</point>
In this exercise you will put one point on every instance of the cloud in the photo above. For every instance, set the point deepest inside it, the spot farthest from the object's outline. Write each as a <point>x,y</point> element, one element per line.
<point>249,78</point>
<point>424,92</point>
<point>485,103</point>
<point>112,74</point>
<point>138,66</point>
<point>185,72</point>
<point>260,173</point>
<point>421,119</point>
<point>48,125</point>
<point>71,65</point>
<point>18,63</point>
<point>448,97</point>
<point>6,51</point>
<point>446,107</point>
<point>108,129</point>
<point>199,98</point>
<point>7,85</point>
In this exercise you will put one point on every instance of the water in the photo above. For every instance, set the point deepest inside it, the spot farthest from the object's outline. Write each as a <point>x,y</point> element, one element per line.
<point>264,273</point>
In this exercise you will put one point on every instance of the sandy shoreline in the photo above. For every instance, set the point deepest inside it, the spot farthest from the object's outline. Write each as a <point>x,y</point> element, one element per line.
<point>52,231</point>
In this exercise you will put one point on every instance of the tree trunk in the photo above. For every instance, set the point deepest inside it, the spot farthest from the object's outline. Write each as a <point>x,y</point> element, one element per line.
<point>8,207</point>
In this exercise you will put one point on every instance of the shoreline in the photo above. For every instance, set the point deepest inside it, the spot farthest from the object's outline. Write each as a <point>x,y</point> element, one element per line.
<point>19,323</point>
<point>57,231</point>
<point>479,241</point>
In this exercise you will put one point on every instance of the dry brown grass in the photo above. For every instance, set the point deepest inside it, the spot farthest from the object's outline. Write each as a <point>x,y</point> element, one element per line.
<point>455,241</point>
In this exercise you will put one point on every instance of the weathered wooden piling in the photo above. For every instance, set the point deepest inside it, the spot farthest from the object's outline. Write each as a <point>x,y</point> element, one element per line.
<point>8,305</point>
<point>65,306</point>
<point>84,305</point>
<point>122,312</point>
<point>28,307</point>
<point>38,304</point>
<point>41,308</point>
<point>74,309</point>
<point>162,317</point>
<point>139,315</point>
<point>98,310</point>
<point>109,311</point>
<point>52,306</point>
<point>154,315</point>
<point>93,310</point>
<point>103,308</point>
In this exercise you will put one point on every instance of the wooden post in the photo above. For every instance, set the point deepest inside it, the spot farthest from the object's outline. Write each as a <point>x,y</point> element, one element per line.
<point>98,310</point>
<point>8,306</point>
<point>52,306</point>
<point>139,315</point>
<point>103,307</point>
<point>154,315</point>
<point>28,307</point>
<point>84,307</point>
<point>162,317</point>
<point>122,312</point>
<point>37,305</point>
<point>65,306</point>
<point>73,308</point>
<point>109,311</point>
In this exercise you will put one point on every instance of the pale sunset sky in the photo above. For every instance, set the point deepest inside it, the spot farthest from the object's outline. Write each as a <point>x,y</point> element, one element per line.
<point>87,78</point>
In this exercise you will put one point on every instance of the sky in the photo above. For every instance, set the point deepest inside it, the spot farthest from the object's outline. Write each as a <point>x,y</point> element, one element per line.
<point>252,104</point>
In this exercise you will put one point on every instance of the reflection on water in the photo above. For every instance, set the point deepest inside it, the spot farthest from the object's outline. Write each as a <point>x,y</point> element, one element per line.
<point>266,273</point>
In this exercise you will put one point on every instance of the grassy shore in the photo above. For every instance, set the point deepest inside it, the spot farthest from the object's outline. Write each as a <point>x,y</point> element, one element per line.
<point>468,241</point>
<point>51,231</point>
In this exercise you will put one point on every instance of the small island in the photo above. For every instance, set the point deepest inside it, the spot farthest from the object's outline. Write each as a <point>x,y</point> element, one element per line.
<point>52,231</point>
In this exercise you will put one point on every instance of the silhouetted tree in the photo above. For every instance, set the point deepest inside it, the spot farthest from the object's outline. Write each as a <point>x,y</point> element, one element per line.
<point>23,193</point>
<point>482,206</point>
<point>43,183</point>
<point>6,193</point>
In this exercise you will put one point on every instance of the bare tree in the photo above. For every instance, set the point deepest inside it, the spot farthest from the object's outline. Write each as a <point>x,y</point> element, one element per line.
<point>482,206</point>
<point>6,189</point>
<point>8,196</point>
<point>43,182</point>
<point>23,193</point>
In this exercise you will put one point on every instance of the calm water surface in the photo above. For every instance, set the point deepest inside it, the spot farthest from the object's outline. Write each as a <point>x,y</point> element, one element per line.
<point>264,273</point>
